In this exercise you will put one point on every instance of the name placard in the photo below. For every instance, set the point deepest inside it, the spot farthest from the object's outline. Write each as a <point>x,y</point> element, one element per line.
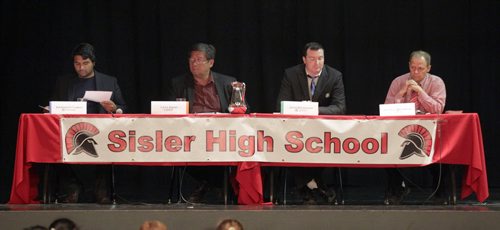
<point>299,108</point>
<point>169,107</point>
<point>68,107</point>
<point>398,109</point>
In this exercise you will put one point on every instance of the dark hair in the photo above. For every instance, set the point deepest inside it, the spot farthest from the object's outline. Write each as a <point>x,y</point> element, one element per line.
<point>208,49</point>
<point>85,50</point>
<point>421,53</point>
<point>63,224</point>
<point>311,46</point>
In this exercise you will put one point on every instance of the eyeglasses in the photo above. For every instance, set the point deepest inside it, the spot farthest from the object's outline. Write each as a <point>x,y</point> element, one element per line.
<point>197,61</point>
<point>314,59</point>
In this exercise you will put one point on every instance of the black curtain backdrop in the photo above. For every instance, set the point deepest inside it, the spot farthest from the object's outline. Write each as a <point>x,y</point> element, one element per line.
<point>144,44</point>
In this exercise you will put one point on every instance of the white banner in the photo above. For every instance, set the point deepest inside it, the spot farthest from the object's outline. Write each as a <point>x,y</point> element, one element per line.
<point>236,139</point>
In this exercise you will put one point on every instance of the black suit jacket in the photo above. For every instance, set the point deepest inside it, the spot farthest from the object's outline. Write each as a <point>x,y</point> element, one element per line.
<point>65,89</point>
<point>329,91</point>
<point>183,87</point>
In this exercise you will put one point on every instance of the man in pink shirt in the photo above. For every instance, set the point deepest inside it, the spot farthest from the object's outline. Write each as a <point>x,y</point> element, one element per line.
<point>428,92</point>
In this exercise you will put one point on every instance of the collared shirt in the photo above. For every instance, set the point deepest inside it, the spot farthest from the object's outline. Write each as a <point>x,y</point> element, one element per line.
<point>206,99</point>
<point>311,78</point>
<point>432,101</point>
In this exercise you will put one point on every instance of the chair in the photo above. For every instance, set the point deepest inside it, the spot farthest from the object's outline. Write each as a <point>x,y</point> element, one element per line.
<point>339,198</point>
<point>179,180</point>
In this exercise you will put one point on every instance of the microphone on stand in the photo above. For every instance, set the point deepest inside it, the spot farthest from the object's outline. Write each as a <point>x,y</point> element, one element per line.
<point>113,185</point>
<point>117,111</point>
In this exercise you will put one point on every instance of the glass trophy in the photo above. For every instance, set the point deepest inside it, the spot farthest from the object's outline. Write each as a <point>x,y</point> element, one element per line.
<point>238,105</point>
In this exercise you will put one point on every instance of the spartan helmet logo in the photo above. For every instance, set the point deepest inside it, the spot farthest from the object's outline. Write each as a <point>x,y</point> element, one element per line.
<point>418,141</point>
<point>79,139</point>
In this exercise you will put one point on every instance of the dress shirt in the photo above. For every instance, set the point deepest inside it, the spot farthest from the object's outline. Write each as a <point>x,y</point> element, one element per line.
<point>310,79</point>
<point>206,98</point>
<point>312,82</point>
<point>431,101</point>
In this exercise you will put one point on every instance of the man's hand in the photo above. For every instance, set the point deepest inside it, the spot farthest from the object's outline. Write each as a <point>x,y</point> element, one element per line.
<point>109,106</point>
<point>403,91</point>
<point>414,86</point>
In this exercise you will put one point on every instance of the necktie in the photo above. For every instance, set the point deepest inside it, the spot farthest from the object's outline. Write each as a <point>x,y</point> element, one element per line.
<point>313,85</point>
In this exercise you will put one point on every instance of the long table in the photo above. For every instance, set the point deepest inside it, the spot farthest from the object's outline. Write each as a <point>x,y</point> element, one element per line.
<point>458,141</point>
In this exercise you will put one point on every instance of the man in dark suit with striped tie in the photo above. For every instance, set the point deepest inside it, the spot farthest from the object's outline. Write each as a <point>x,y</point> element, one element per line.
<point>313,81</point>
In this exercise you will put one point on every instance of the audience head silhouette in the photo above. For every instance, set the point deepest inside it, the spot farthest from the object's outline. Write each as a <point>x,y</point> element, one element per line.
<point>153,225</point>
<point>63,224</point>
<point>230,224</point>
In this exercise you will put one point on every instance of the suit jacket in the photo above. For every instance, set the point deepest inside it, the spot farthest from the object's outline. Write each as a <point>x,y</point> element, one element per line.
<point>183,87</point>
<point>329,91</point>
<point>65,89</point>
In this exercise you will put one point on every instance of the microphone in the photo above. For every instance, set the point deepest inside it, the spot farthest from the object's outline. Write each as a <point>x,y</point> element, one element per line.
<point>117,111</point>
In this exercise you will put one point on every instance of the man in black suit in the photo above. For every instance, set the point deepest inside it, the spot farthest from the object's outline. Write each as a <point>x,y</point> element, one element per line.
<point>72,88</point>
<point>313,81</point>
<point>207,92</point>
<point>75,178</point>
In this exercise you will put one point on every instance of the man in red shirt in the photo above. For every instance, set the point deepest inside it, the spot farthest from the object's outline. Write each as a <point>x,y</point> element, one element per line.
<point>207,92</point>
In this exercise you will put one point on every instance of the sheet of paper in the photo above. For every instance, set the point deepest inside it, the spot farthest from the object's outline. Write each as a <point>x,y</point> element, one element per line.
<point>97,96</point>
<point>45,108</point>
<point>397,109</point>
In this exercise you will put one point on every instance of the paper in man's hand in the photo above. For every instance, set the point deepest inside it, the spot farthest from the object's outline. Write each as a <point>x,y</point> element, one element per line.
<point>97,96</point>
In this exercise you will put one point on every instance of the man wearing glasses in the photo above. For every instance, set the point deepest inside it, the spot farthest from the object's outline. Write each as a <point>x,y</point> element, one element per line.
<point>313,81</point>
<point>207,92</point>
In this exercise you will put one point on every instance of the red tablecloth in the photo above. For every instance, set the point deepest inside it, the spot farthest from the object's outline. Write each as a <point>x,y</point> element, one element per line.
<point>459,141</point>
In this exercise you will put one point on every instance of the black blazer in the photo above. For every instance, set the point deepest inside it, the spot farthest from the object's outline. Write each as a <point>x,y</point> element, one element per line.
<point>329,91</point>
<point>183,87</point>
<point>65,89</point>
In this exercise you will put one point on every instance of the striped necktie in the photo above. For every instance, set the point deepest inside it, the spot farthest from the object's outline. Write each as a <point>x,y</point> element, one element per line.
<point>313,85</point>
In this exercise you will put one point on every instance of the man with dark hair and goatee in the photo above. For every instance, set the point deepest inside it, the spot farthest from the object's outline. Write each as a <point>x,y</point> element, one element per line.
<point>77,179</point>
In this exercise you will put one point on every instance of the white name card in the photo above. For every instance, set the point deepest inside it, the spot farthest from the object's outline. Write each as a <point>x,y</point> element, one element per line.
<point>299,108</point>
<point>398,109</point>
<point>68,107</point>
<point>169,107</point>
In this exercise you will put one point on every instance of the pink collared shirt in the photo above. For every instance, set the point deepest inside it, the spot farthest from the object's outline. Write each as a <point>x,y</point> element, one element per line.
<point>432,101</point>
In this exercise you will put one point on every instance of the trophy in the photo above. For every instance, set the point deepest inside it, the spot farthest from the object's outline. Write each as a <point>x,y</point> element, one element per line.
<point>238,105</point>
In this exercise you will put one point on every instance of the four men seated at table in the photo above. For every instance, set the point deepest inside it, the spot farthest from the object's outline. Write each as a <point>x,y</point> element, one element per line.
<point>210,92</point>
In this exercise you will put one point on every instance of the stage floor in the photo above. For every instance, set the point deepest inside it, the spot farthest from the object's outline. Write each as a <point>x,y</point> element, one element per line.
<point>464,215</point>
<point>363,208</point>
